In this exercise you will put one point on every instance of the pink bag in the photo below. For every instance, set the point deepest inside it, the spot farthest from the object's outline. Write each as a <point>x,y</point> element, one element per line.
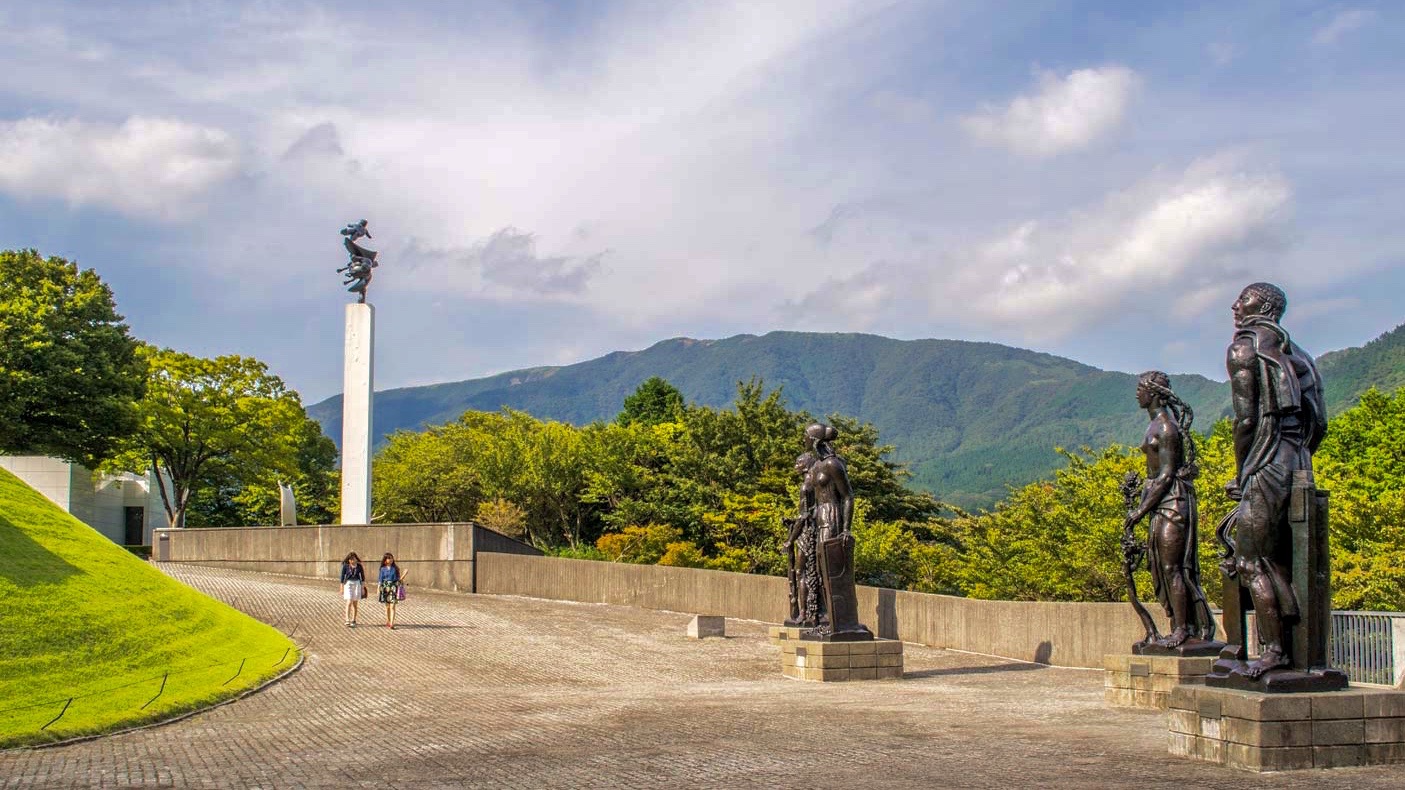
<point>400,591</point>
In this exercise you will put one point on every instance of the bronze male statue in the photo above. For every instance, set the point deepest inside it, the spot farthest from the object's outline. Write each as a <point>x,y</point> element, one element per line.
<point>1278,552</point>
<point>827,481</point>
<point>1168,501</point>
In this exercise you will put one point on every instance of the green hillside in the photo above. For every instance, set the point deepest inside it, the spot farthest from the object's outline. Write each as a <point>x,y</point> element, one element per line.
<point>1350,372</point>
<point>969,418</point>
<point>81,617</point>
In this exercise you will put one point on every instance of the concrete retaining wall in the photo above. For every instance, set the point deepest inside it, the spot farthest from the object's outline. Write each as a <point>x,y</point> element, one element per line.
<point>1062,634</point>
<point>469,558</point>
<point>439,556</point>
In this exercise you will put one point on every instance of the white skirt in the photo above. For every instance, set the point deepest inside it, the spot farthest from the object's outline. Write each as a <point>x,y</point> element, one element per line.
<point>351,590</point>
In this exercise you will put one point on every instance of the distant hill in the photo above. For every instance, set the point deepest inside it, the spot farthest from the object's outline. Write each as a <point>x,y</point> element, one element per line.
<point>1351,371</point>
<point>968,418</point>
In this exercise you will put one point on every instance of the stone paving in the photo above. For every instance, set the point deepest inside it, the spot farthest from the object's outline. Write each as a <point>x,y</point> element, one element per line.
<point>485,691</point>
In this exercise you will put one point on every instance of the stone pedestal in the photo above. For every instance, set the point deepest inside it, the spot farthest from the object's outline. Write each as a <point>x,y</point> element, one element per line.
<point>705,625</point>
<point>358,381</point>
<point>803,659</point>
<point>782,633</point>
<point>1279,732</point>
<point>1136,681</point>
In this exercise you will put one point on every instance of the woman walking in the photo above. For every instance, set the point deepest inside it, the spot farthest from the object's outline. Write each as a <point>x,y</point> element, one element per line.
<point>353,586</point>
<point>390,581</point>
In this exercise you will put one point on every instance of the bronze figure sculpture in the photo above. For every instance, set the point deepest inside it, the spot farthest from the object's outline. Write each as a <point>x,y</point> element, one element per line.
<point>1167,501</point>
<point>358,270</point>
<point>1275,540</point>
<point>801,571</point>
<point>824,591</point>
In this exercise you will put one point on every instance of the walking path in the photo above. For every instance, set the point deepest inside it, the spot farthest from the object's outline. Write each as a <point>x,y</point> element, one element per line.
<point>489,691</point>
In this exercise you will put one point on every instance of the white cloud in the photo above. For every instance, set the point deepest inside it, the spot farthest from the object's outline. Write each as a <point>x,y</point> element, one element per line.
<point>1178,241</point>
<point>145,166</point>
<point>1062,114</point>
<point>1166,238</point>
<point>504,266</point>
<point>1344,22</point>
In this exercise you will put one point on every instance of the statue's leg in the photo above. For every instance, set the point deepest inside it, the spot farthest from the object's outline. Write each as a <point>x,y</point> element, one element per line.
<point>1169,530</point>
<point>1262,508</point>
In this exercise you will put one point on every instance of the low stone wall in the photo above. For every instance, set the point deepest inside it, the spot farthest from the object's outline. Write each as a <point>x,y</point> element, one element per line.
<point>439,556</point>
<point>1062,634</point>
<point>469,558</point>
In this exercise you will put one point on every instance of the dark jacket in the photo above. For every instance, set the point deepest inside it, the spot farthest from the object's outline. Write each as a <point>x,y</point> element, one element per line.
<point>350,574</point>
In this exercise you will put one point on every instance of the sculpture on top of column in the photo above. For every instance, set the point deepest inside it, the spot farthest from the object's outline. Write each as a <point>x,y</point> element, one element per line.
<point>1275,540</point>
<point>823,594</point>
<point>1167,501</point>
<point>358,270</point>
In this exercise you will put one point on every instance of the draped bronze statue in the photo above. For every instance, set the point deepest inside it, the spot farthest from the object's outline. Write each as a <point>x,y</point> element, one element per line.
<point>820,546</point>
<point>1167,502</point>
<point>1275,540</point>
<point>358,270</point>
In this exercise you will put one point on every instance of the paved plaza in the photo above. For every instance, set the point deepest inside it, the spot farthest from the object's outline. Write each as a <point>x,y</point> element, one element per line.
<point>485,691</point>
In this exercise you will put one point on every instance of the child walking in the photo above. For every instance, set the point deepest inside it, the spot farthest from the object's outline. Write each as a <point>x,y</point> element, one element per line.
<point>353,586</point>
<point>390,580</point>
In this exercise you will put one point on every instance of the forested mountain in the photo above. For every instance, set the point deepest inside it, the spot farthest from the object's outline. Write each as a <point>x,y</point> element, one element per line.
<point>968,418</point>
<point>1351,371</point>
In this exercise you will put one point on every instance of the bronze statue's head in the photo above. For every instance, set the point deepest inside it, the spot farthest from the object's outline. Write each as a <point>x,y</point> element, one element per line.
<point>803,462</point>
<point>818,434</point>
<point>1264,299</point>
<point>1152,386</point>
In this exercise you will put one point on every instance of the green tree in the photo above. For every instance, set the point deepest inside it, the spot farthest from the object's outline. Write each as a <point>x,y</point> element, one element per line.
<point>654,402</point>
<point>211,422</point>
<point>644,545</point>
<point>502,516</point>
<point>426,477</point>
<point>1362,464</point>
<point>238,503</point>
<point>69,371</point>
<point>1054,540</point>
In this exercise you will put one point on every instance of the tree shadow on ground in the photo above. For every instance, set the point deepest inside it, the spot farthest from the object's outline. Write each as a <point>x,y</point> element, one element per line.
<point>425,626</point>
<point>27,562</point>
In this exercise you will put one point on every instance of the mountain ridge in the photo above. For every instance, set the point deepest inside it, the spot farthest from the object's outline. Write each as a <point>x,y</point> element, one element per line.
<point>969,417</point>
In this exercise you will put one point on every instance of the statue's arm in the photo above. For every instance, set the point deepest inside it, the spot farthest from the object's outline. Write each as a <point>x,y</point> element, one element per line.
<point>846,499</point>
<point>1242,365</point>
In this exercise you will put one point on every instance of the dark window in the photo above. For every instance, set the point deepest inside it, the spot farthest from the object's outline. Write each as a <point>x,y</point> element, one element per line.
<point>136,519</point>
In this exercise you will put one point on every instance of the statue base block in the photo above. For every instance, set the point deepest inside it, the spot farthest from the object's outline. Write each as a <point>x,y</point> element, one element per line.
<point>1280,732</point>
<point>1227,673</point>
<point>1141,681</point>
<point>779,634</point>
<point>871,659</point>
<point>1188,648</point>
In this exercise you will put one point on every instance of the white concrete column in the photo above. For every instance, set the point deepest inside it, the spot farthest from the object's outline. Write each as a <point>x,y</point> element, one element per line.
<point>358,382</point>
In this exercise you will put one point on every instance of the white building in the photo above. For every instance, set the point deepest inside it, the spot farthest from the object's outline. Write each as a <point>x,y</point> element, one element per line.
<point>123,507</point>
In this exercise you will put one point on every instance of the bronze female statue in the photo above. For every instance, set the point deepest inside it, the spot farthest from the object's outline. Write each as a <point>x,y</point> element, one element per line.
<point>827,492</point>
<point>1168,501</point>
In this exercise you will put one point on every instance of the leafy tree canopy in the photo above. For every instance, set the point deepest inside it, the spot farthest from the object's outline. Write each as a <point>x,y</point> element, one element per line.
<point>656,401</point>
<point>210,423</point>
<point>69,371</point>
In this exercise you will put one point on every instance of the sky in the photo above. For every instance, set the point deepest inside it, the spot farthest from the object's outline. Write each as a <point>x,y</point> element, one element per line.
<point>547,182</point>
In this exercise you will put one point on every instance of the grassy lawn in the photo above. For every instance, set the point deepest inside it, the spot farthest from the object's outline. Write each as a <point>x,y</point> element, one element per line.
<point>82,617</point>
